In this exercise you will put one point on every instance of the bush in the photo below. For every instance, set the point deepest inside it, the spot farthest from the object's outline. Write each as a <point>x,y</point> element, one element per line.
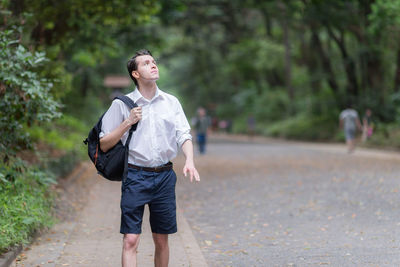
<point>26,97</point>
<point>303,127</point>
<point>272,105</point>
<point>65,133</point>
<point>25,203</point>
<point>63,144</point>
<point>386,135</point>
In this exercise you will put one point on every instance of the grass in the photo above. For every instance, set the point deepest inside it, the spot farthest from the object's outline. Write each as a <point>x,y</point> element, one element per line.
<point>26,195</point>
<point>25,203</point>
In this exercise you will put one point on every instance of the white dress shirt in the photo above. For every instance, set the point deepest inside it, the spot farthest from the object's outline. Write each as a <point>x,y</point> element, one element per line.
<point>161,130</point>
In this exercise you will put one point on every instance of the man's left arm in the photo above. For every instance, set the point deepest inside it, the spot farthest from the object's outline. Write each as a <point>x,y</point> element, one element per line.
<point>184,140</point>
<point>187,149</point>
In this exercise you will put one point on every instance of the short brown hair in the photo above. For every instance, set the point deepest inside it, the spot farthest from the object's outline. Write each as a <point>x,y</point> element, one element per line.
<point>132,65</point>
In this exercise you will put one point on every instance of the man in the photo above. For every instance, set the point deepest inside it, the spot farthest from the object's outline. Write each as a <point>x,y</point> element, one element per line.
<point>201,124</point>
<point>162,127</point>
<point>350,121</point>
<point>251,126</point>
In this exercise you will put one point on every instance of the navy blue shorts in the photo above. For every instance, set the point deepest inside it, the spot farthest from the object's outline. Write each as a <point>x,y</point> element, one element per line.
<point>157,189</point>
<point>350,133</point>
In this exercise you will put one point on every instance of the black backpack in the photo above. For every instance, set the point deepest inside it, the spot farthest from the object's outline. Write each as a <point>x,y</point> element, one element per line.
<point>112,164</point>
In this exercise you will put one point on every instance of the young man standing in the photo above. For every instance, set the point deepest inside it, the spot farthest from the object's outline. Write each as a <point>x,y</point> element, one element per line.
<point>162,127</point>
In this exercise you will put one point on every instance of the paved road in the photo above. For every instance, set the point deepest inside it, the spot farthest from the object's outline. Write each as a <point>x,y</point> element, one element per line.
<point>259,204</point>
<point>292,204</point>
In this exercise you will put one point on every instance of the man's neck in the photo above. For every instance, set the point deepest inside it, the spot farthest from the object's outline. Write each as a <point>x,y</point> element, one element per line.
<point>148,90</point>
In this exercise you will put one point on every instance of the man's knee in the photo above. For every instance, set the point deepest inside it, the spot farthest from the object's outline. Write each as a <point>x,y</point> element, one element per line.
<point>131,241</point>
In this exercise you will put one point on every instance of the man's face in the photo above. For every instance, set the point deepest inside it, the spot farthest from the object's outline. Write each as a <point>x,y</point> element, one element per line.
<point>147,68</point>
<point>201,112</point>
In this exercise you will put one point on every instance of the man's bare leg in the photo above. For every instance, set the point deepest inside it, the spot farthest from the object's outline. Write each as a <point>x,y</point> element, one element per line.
<point>161,255</point>
<point>350,145</point>
<point>129,250</point>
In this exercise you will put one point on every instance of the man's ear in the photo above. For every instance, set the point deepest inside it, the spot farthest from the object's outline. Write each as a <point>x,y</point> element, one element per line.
<point>135,74</point>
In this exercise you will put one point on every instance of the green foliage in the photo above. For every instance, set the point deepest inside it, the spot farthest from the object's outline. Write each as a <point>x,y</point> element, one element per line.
<point>88,109</point>
<point>26,97</point>
<point>385,135</point>
<point>63,137</point>
<point>84,58</point>
<point>63,165</point>
<point>252,57</point>
<point>272,105</point>
<point>385,16</point>
<point>80,39</point>
<point>59,144</point>
<point>64,133</point>
<point>25,203</point>
<point>271,59</point>
<point>328,53</point>
<point>304,127</point>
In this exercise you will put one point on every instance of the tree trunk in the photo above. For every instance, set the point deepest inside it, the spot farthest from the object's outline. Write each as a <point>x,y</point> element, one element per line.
<point>326,64</point>
<point>374,70</point>
<point>348,62</point>
<point>397,73</point>
<point>312,63</point>
<point>231,24</point>
<point>267,20</point>
<point>288,60</point>
<point>273,77</point>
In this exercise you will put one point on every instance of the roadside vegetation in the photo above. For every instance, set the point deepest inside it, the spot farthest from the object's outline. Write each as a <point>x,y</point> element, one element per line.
<point>38,144</point>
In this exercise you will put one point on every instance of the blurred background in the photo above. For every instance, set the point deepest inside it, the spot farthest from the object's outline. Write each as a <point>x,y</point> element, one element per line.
<point>286,67</point>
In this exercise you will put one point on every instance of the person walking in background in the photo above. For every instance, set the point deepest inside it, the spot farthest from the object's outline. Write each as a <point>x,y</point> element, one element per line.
<point>251,126</point>
<point>201,124</point>
<point>162,129</point>
<point>350,121</point>
<point>368,126</point>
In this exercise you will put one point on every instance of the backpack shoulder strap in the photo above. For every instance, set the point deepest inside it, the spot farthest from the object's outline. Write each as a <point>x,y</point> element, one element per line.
<point>127,100</point>
<point>131,104</point>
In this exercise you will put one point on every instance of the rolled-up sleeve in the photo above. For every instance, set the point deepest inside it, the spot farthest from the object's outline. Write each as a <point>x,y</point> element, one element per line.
<point>182,125</point>
<point>112,118</point>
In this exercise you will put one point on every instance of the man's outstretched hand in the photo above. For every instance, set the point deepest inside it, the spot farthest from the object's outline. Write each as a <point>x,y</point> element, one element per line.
<point>189,168</point>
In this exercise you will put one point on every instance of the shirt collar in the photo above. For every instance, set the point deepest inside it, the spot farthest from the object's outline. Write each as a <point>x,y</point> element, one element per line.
<point>137,96</point>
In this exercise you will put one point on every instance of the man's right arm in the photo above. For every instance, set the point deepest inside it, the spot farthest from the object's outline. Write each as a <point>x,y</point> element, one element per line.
<point>111,139</point>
